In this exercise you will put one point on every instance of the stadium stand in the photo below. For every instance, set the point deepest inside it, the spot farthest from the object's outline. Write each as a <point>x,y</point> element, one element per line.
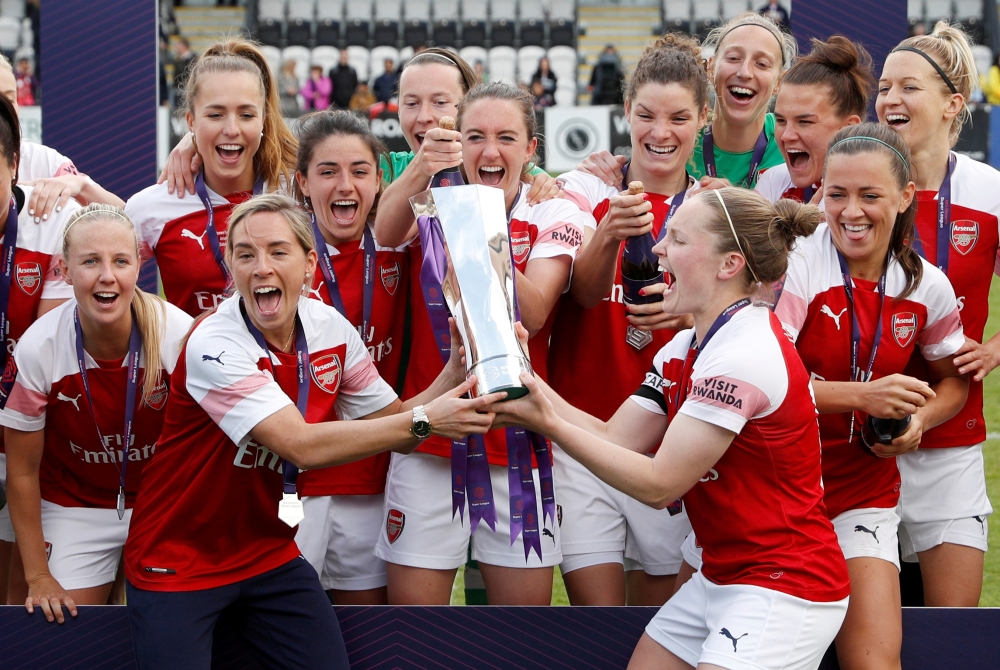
<point>325,56</point>
<point>302,58</point>
<point>527,62</point>
<point>329,21</point>
<point>473,54</point>
<point>503,64</point>
<point>358,57</point>
<point>387,21</point>
<point>359,23</point>
<point>705,17</point>
<point>445,22</point>
<point>416,28</point>
<point>376,59</point>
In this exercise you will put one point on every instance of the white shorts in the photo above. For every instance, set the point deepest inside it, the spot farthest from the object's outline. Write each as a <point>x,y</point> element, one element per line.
<point>338,538</point>
<point>868,533</point>
<point>84,544</point>
<point>600,524</point>
<point>417,513</point>
<point>6,527</point>
<point>745,627</point>
<point>691,551</point>
<point>943,499</point>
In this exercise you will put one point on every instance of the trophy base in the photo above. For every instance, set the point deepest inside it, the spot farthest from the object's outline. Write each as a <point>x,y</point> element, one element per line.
<point>500,373</point>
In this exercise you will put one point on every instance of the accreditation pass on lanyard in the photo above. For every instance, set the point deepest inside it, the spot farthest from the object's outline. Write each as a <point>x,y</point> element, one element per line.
<point>290,508</point>
<point>134,350</point>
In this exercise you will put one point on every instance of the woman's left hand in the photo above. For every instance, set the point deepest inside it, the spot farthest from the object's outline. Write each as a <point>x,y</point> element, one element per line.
<point>651,316</point>
<point>976,359</point>
<point>908,441</point>
<point>543,187</point>
<point>533,411</point>
<point>52,194</point>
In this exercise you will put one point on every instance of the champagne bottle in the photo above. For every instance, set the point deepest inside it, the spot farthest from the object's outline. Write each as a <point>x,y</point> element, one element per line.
<point>882,431</point>
<point>640,267</point>
<point>449,176</point>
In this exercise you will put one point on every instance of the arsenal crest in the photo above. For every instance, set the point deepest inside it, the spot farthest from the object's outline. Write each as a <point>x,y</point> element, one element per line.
<point>964,235</point>
<point>326,372</point>
<point>394,523</point>
<point>158,398</point>
<point>520,244</point>
<point>29,277</point>
<point>904,327</point>
<point>390,278</point>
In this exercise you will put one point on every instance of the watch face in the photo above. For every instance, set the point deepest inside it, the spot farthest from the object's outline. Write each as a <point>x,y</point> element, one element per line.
<point>422,429</point>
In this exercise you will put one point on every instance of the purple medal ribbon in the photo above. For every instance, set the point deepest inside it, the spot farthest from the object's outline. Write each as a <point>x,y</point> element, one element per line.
<point>134,350</point>
<point>708,154</point>
<point>289,473</point>
<point>211,232</point>
<point>943,222</point>
<point>807,194</point>
<point>857,375</point>
<point>333,288</point>
<point>7,275</point>
<point>470,469</point>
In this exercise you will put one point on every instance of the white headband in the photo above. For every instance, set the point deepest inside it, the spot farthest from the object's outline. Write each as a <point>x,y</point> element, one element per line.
<point>735,236</point>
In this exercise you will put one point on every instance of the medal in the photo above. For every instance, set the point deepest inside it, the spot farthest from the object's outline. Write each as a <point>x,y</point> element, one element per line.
<point>290,509</point>
<point>638,338</point>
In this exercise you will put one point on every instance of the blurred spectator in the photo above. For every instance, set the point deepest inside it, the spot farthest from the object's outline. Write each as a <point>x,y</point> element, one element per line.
<point>363,98</point>
<point>183,57</point>
<point>919,28</point>
<point>480,72</point>
<point>990,83</point>
<point>774,11</point>
<point>606,79</point>
<point>27,86</point>
<point>546,76</point>
<point>345,81</point>
<point>317,89</point>
<point>541,97</point>
<point>385,85</point>
<point>288,89</point>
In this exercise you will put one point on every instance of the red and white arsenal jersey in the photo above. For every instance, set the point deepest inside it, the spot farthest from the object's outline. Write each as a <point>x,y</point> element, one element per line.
<point>758,512</point>
<point>776,184</point>
<point>551,229</point>
<point>174,230</point>
<point>48,394</point>
<point>38,161</point>
<point>587,343</point>
<point>816,313</point>
<point>385,345</point>
<point>208,507</point>
<point>972,257</point>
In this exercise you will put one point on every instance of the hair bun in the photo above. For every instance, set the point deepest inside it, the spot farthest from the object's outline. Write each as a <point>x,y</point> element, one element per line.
<point>794,220</point>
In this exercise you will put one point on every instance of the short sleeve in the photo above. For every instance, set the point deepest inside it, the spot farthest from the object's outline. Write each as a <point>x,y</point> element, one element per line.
<point>729,388</point>
<point>793,305</point>
<point>942,335</point>
<point>560,228</point>
<point>585,191</point>
<point>223,378</point>
<point>362,390</point>
<point>27,382</point>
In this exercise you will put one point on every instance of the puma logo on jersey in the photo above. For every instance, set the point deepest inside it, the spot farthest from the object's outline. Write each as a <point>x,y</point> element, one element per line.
<point>314,292</point>
<point>734,640</point>
<point>217,359</point>
<point>200,239</point>
<point>982,523</point>
<point>862,529</point>
<point>75,401</point>
<point>548,533</point>
<point>825,309</point>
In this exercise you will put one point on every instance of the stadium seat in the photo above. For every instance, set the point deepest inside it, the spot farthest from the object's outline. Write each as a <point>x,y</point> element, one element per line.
<point>12,8</point>
<point>299,30</point>
<point>527,62</point>
<point>503,64</point>
<point>271,9</point>
<point>273,56</point>
<point>733,8</point>
<point>474,22</point>
<point>937,10</point>
<point>561,9</point>
<point>531,9</point>
<point>359,19</point>
<point>302,57</point>
<point>387,20</point>
<point>416,22</point>
<point>377,58</point>
<point>970,14</point>
<point>358,58</point>
<point>706,16</point>
<point>325,56</point>
<point>271,31</point>
<point>563,60</point>
<point>445,22</point>
<point>329,19</point>
<point>532,23</point>
<point>565,94</point>
<point>471,54</point>
<point>677,16</point>
<point>405,54</point>
<point>503,22</point>
<point>10,35</point>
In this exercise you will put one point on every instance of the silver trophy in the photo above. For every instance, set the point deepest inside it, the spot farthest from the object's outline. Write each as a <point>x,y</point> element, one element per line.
<point>479,284</point>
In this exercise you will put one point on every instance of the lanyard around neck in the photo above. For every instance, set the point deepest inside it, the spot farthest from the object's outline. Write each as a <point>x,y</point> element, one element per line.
<point>333,287</point>
<point>211,232</point>
<point>708,154</point>
<point>943,221</point>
